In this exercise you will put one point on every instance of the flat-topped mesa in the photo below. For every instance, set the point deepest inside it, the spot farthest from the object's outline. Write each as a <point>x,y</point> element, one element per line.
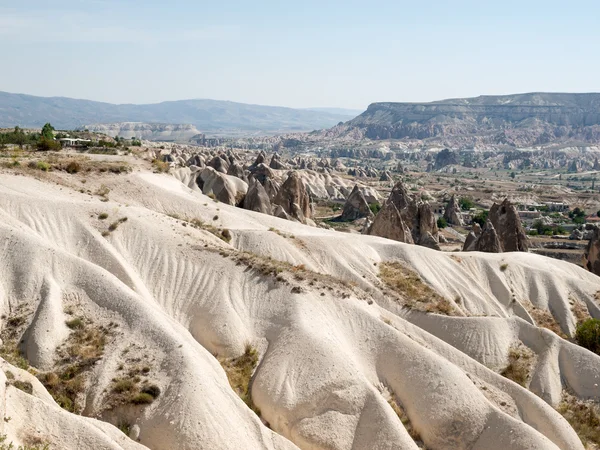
<point>543,117</point>
<point>356,206</point>
<point>417,219</point>
<point>504,226</point>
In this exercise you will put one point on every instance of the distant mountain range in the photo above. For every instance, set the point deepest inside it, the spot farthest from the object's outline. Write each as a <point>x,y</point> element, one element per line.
<point>210,116</point>
<point>513,120</point>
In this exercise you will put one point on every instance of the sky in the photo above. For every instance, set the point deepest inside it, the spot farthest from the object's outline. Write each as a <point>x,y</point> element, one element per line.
<point>297,53</point>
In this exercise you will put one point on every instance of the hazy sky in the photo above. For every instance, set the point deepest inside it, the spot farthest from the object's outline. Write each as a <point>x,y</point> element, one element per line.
<point>302,54</point>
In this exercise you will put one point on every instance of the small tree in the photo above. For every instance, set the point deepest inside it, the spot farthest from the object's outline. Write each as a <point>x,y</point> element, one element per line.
<point>481,218</point>
<point>442,223</point>
<point>466,203</point>
<point>48,144</point>
<point>588,335</point>
<point>48,131</point>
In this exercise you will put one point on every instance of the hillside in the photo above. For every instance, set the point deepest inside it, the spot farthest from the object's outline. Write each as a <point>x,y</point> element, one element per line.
<point>519,120</point>
<point>206,115</point>
<point>134,311</point>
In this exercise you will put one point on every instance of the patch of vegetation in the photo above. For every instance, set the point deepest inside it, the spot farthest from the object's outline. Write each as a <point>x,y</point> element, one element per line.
<point>223,234</point>
<point>24,386</point>
<point>503,267</point>
<point>73,167</point>
<point>11,335</point>
<point>83,347</point>
<point>399,410</point>
<point>520,364</point>
<point>76,323</point>
<point>11,446</point>
<point>19,137</point>
<point>481,217</point>
<point>130,389</point>
<point>540,228</point>
<point>414,292</point>
<point>40,165</point>
<point>441,222</point>
<point>543,318</point>
<point>239,373</point>
<point>160,166</point>
<point>113,226</point>
<point>466,203</point>
<point>577,215</point>
<point>584,418</point>
<point>587,335</point>
<point>103,192</point>
<point>102,216</point>
<point>375,207</point>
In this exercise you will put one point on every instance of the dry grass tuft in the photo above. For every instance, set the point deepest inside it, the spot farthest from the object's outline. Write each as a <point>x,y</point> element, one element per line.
<point>543,318</point>
<point>411,288</point>
<point>32,443</point>
<point>399,410</point>
<point>584,417</point>
<point>84,346</point>
<point>520,365</point>
<point>579,310</point>
<point>239,373</point>
<point>160,166</point>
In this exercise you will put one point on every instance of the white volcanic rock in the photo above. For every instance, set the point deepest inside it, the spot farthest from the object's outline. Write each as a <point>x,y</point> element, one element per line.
<point>328,347</point>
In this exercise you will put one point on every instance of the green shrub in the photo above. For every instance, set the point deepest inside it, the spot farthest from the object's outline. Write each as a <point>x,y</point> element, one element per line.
<point>45,144</point>
<point>466,203</point>
<point>442,223</point>
<point>588,335</point>
<point>41,165</point>
<point>25,386</point>
<point>375,208</point>
<point>103,216</point>
<point>481,218</point>
<point>75,324</point>
<point>142,398</point>
<point>152,390</point>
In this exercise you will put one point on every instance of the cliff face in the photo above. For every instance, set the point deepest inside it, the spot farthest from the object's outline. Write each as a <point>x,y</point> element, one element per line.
<point>523,119</point>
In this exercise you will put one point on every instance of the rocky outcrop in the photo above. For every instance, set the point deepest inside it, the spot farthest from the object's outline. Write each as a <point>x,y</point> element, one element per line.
<point>445,158</point>
<point>507,223</point>
<point>417,217</point>
<point>356,207</point>
<point>452,213</point>
<point>257,199</point>
<point>592,253</point>
<point>388,223</point>
<point>471,240</point>
<point>293,198</point>
<point>224,188</point>
<point>385,176</point>
<point>503,232</point>
<point>488,240</point>
<point>236,170</point>
<point>220,163</point>
<point>276,162</point>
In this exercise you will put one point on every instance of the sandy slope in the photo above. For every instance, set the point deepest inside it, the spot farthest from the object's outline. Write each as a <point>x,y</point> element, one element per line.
<point>330,354</point>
